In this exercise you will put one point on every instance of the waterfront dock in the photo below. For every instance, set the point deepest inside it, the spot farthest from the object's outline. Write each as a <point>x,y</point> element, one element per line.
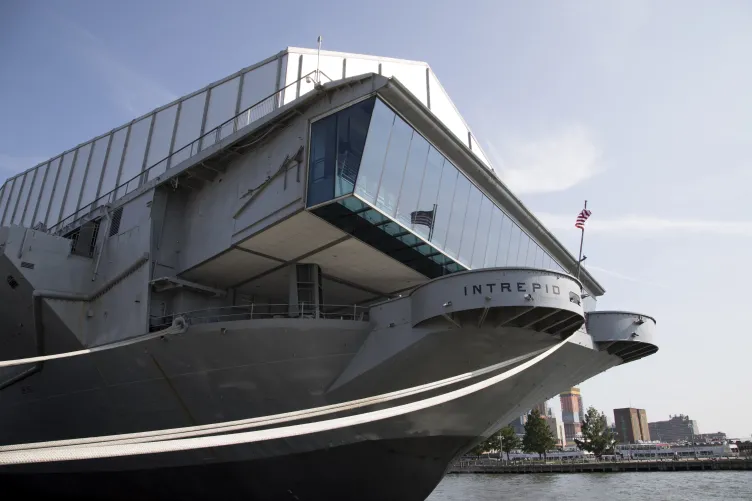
<point>524,467</point>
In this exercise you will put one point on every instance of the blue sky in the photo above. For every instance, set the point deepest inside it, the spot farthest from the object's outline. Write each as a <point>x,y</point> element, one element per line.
<point>642,108</point>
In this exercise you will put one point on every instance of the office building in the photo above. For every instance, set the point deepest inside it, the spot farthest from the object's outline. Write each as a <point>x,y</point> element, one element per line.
<point>631,425</point>
<point>677,428</point>
<point>571,414</point>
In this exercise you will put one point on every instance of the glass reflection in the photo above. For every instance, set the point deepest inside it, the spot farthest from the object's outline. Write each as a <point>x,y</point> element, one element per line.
<point>443,208</point>
<point>377,142</point>
<point>502,258</point>
<point>483,234</point>
<point>425,213</point>
<point>494,236</point>
<point>394,167</point>
<point>458,210</point>
<point>470,225</point>
<point>337,143</point>
<point>411,182</point>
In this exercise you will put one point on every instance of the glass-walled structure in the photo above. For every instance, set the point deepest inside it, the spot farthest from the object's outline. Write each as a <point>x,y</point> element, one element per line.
<point>110,166</point>
<point>376,177</point>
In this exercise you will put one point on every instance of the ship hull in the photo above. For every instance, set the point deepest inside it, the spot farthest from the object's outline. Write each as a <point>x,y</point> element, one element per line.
<point>400,457</point>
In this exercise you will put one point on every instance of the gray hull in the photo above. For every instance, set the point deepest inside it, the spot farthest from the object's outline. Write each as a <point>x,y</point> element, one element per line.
<point>205,377</point>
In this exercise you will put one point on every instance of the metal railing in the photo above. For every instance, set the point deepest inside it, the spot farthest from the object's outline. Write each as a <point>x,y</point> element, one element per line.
<point>263,311</point>
<point>243,119</point>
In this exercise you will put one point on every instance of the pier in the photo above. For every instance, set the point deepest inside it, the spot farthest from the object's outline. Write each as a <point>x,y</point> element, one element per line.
<point>524,467</point>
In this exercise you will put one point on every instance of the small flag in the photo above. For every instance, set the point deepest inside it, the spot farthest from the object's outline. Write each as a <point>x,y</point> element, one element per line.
<point>424,217</point>
<point>581,218</point>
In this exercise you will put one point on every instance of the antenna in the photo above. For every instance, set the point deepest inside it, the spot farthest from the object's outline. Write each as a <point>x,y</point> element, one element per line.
<point>318,60</point>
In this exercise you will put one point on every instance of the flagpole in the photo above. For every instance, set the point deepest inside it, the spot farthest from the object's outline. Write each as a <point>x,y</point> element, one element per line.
<point>582,238</point>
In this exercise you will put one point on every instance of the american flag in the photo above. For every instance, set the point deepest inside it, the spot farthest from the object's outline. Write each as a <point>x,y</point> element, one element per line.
<point>424,217</point>
<point>581,218</point>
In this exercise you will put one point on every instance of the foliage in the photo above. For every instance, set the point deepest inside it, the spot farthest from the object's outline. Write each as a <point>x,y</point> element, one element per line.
<point>596,435</point>
<point>509,440</point>
<point>538,436</point>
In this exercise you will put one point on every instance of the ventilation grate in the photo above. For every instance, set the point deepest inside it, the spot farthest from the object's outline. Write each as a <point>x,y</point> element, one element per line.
<point>25,264</point>
<point>115,224</point>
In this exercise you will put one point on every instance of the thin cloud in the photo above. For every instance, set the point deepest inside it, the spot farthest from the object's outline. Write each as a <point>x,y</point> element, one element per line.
<point>631,225</point>
<point>547,164</point>
<point>130,90</point>
<point>622,276</point>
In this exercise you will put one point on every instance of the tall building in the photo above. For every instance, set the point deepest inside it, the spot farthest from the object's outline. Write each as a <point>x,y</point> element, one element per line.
<point>571,414</point>
<point>678,428</point>
<point>631,425</point>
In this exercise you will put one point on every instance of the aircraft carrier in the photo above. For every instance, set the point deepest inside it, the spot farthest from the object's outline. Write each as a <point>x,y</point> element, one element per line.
<point>304,281</point>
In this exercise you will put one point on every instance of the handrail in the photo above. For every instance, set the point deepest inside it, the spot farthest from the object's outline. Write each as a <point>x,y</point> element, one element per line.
<point>243,119</point>
<point>258,311</point>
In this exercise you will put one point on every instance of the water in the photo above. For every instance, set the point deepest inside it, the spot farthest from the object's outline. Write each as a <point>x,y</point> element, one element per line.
<point>665,486</point>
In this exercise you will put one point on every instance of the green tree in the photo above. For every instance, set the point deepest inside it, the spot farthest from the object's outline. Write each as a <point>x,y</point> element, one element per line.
<point>596,435</point>
<point>538,436</point>
<point>509,440</point>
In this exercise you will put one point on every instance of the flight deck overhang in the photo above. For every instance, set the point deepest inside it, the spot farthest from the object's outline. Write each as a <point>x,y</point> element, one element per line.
<point>628,335</point>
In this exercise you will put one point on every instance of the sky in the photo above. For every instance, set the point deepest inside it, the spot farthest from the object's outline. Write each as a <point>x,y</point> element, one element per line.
<point>643,109</point>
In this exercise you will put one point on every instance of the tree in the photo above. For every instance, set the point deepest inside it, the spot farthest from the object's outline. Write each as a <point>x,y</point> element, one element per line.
<point>509,440</point>
<point>538,436</point>
<point>491,443</point>
<point>596,435</point>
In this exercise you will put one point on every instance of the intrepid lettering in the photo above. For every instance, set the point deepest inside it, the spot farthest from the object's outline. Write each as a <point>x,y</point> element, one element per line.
<point>471,290</point>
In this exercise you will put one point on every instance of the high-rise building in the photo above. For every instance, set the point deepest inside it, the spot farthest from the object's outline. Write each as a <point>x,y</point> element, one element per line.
<point>631,425</point>
<point>571,414</point>
<point>678,428</point>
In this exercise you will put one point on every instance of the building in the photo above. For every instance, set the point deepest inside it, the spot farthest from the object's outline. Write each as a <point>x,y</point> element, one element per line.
<point>677,428</point>
<point>571,414</point>
<point>631,425</point>
<point>711,437</point>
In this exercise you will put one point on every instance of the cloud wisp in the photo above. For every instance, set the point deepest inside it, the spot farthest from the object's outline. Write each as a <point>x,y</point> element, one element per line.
<point>555,162</point>
<point>653,226</point>
<point>622,276</point>
<point>130,90</point>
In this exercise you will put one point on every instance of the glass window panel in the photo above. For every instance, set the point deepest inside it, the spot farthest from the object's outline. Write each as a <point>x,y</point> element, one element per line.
<point>502,257</point>
<point>28,219</point>
<point>428,192</point>
<point>521,258</point>
<point>494,237</point>
<point>444,204</point>
<point>46,196</point>
<point>513,246</point>
<point>134,156</point>
<point>4,195</point>
<point>322,160</point>
<point>222,101</point>
<point>394,166</point>
<point>15,187</point>
<point>532,253</point>
<point>483,235</point>
<point>189,128</point>
<point>109,179</point>
<point>159,146</point>
<point>459,208</point>
<point>352,129</point>
<point>377,141</point>
<point>56,205</point>
<point>412,180</point>
<point>94,173</point>
<point>470,226</point>
<point>24,180</point>
<point>23,198</point>
<point>540,257</point>
<point>76,180</point>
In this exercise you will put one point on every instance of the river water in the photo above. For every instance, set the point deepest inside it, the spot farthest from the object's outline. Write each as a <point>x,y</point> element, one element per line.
<point>668,486</point>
